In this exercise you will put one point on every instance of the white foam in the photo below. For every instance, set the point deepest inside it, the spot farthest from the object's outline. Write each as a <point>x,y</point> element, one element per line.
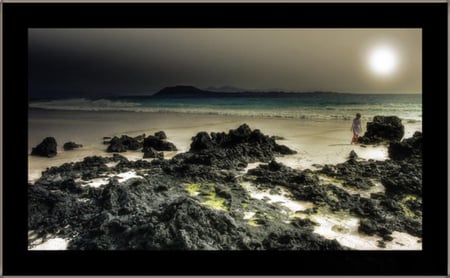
<point>342,112</point>
<point>85,104</point>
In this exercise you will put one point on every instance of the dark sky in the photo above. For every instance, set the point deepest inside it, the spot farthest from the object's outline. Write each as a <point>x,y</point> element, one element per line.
<point>99,62</point>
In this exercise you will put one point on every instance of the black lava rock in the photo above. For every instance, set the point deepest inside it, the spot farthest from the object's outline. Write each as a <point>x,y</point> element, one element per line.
<point>46,148</point>
<point>201,141</point>
<point>298,240</point>
<point>71,145</point>
<point>123,144</point>
<point>158,144</point>
<point>383,129</point>
<point>235,149</point>
<point>161,135</point>
<point>116,145</point>
<point>197,201</point>
<point>353,155</point>
<point>407,148</point>
<point>152,153</point>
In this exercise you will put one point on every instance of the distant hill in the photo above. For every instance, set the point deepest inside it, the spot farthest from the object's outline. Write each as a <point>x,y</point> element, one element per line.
<point>182,91</point>
<point>193,92</point>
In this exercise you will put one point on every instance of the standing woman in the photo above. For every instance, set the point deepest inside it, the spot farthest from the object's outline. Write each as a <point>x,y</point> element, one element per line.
<point>356,128</point>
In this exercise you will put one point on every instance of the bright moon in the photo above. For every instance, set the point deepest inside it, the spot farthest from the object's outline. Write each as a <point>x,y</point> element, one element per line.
<point>383,61</point>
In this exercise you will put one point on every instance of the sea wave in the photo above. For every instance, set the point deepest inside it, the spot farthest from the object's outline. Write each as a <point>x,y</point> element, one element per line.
<point>412,113</point>
<point>84,104</point>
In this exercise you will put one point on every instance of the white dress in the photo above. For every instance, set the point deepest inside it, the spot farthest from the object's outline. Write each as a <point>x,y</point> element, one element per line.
<point>356,127</point>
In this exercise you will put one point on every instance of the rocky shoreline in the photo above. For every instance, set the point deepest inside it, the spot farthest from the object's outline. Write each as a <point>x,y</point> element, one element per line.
<point>199,199</point>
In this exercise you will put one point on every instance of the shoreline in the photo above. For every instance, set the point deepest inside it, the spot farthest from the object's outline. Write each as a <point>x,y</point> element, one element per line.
<point>317,142</point>
<point>317,186</point>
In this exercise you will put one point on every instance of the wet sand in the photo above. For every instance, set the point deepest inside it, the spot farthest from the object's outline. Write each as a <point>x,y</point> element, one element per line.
<point>317,142</point>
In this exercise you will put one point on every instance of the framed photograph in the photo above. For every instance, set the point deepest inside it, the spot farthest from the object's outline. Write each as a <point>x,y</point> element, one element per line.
<point>225,138</point>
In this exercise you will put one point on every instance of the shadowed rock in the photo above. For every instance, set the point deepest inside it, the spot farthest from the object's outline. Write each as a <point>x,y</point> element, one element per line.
<point>152,153</point>
<point>161,135</point>
<point>201,141</point>
<point>383,129</point>
<point>209,154</point>
<point>407,148</point>
<point>352,155</point>
<point>298,240</point>
<point>71,145</point>
<point>123,144</point>
<point>46,148</point>
<point>243,144</point>
<point>158,144</point>
<point>116,145</point>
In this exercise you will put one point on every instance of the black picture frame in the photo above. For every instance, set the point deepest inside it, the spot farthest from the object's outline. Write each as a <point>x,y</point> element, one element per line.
<point>19,17</point>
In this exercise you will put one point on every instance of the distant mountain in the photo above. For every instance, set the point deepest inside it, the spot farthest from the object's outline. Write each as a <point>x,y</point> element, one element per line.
<point>182,91</point>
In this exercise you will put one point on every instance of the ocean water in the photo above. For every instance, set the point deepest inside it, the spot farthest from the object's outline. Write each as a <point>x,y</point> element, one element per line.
<point>314,106</point>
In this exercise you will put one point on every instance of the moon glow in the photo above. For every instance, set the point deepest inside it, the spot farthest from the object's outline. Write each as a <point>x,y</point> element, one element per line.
<point>383,61</point>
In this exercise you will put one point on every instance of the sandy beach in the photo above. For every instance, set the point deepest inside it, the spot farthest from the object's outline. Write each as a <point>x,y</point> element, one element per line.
<point>317,142</point>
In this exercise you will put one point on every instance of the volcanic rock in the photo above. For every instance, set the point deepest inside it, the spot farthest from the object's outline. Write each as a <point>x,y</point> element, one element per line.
<point>152,153</point>
<point>71,145</point>
<point>158,144</point>
<point>407,148</point>
<point>197,200</point>
<point>161,135</point>
<point>123,144</point>
<point>353,155</point>
<point>383,129</point>
<point>46,148</point>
